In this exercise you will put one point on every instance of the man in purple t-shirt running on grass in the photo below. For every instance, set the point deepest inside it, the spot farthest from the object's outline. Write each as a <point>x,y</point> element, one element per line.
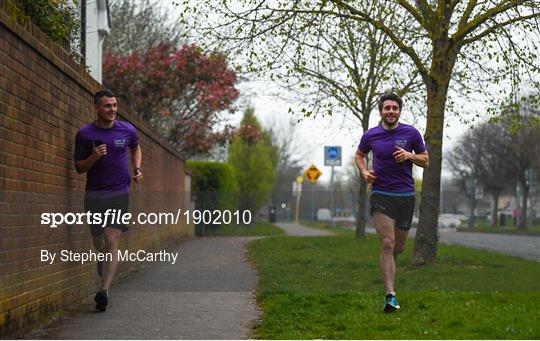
<point>392,184</point>
<point>101,151</point>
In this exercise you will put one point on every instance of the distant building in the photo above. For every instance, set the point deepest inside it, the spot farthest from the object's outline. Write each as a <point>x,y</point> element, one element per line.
<point>95,26</point>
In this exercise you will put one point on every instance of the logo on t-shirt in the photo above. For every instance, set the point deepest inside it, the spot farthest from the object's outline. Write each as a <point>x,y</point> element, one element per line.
<point>120,143</point>
<point>401,143</point>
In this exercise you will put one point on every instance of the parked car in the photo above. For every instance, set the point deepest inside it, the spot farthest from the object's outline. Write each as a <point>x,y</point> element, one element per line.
<point>450,220</point>
<point>323,214</point>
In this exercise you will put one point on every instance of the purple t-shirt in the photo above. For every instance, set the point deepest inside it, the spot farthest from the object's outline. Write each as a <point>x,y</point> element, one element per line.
<point>109,176</point>
<point>392,177</point>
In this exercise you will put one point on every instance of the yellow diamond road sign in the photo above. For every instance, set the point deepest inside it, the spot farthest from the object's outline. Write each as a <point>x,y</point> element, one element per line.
<point>312,174</point>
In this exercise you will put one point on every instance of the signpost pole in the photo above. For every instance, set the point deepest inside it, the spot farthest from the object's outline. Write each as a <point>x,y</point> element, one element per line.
<point>299,180</point>
<point>332,157</point>
<point>313,214</point>
<point>297,213</point>
<point>332,223</point>
<point>312,174</point>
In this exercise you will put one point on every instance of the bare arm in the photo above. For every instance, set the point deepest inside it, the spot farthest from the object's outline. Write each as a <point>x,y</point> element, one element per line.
<point>136,160</point>
<point>360,159</point>
<point>82,166</point>
<point>420,159</point>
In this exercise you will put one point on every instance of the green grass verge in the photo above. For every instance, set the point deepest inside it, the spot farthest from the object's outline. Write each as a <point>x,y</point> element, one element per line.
<point>331,288</point>
<point>261,228</point>
<point>482,225</point>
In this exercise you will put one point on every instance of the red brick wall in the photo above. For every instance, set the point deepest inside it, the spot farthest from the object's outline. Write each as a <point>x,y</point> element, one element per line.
<point>45,97</point>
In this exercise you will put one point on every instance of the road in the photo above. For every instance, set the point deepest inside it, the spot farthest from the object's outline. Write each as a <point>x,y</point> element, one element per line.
<point>521,246</point>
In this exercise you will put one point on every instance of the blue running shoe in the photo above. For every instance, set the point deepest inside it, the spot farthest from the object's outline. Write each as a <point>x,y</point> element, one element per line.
<point>391,304</point>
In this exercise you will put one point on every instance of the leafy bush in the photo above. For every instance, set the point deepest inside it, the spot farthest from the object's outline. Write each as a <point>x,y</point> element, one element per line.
<point>213,184</point>
<point>253,158</point>
<point>57,18</point>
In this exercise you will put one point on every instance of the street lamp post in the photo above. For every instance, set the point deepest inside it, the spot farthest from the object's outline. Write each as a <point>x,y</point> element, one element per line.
<point>531,187</point>
<point>470,185</point>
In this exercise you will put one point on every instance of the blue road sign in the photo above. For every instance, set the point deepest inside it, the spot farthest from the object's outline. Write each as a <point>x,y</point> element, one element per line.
<point>332,156</point>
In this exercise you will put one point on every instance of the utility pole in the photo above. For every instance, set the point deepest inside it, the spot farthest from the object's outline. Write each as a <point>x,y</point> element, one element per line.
<point>470,184</point>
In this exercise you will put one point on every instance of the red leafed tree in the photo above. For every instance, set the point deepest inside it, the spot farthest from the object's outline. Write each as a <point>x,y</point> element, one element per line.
<point>180,91</point>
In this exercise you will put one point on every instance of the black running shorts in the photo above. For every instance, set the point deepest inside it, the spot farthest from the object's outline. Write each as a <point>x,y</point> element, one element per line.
<point>399,208</point>
<point>119,203</point>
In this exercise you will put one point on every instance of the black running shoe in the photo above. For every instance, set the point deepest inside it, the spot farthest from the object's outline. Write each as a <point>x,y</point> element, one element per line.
<point>101,298</point>
<point>100,268</point>
<point>391,303</point>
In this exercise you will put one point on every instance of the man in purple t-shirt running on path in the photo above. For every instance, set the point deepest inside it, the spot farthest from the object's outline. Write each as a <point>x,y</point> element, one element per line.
<point>392,184</point>
<point>101,151</point>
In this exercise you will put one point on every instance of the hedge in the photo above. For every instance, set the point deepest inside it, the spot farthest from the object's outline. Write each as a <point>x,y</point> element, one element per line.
<point>213,185</point>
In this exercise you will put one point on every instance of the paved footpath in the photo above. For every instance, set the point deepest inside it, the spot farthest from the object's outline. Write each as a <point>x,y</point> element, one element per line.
<point>298,230</point>
<point>207,294</point>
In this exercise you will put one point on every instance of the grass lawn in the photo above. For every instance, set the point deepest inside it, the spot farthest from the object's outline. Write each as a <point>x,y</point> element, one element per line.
<point>331,288</point>
<point>261,228</point>
<point>482,225</point>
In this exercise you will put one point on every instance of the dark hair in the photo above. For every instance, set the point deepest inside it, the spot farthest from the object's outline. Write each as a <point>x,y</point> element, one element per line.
<point>392,96</point>
<point>102,93</point>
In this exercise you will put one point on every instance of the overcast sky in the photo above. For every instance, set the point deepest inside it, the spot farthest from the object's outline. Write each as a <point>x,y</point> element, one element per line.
<point>312,134</point>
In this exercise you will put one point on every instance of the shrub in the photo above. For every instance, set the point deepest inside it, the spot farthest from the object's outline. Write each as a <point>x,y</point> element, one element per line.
<point>213,184</point>
<point>57,18</point>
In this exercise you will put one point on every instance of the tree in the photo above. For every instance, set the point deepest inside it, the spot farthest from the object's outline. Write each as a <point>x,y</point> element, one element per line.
<point>254,159</point>
<point>445,40</point>
<point>451,27</point>
<point>333,66</point>
<point>501,154</point>
<point>140,26</point>
<point>524,147</point>
<point>353,184</point>
<point>181,92</point>
<point>483,154</point>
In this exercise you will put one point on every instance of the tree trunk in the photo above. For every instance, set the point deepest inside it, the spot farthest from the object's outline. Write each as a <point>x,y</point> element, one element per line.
<point>361,210</point>
<point>425,242</point>
<point>360,229</point>
<point>495,210</point>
